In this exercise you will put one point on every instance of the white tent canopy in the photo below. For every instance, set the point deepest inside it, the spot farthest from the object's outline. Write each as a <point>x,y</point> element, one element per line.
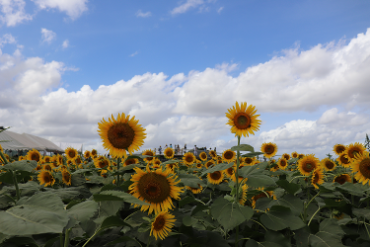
<point>15,141</point>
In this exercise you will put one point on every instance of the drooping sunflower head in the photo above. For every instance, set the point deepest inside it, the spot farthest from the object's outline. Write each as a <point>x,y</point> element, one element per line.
<point>274,168</point>
<point>197,190</point>
<point>66,177</point>
<point>188,159</point>
<point>327,164</point>
<point>45,177</point>
<point>286,156</point>
<point>342,178</point>
<point>307,164</point>
<point>71,153</point>
<point>121,134</point>
<point>243,120</point>
<point>264,193</point>
<point>243,195</point>
<point>34,155</point>
<point>339,149</point>
<point>162,225</point>
<point>343,160</point>
<point>101,162</point>
<point>169,153</point>
<point>354,149</point>
<point>209,163</point>
<point>269,149</point>
<point>148,152</point>
<point>295,154</point>
<point>203,156</point>
<point>130,161</point>
<point>87,154</point>
<point>317,177</point>
<point>215,177</point>
<point>228,156</point>
<point>283,163</point>
<point>361,167</point>
<point>213,154</point>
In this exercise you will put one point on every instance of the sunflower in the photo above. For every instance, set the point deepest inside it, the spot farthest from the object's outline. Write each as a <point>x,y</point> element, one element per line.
<point>1,149</point>
<point>229,171</point>
<point>71,153</point>
<point>317,177</point>
<point>286,156</point>
<point>34,155</point>
<point>215,177</point>
<point>101,162</point>
<point>195,190</point>
<point>47,167</point>
<point>188,159</point>
<point>263,194</point>
<point>294,154</point>
<point>156,188</point>
<point>213,154</point>
<point>47,159</point>
<point>301,156</point>
<point>199,165</point>
<point>66,177</point>
<point>342,178</point>
<point>162,225</point>
<point>157,162</point>
<point>203,156</point>
<point>243,195</point>
<point>103,173</point>
<point>307,164</point>
<point>45,177</point>
<point>38,167</point>
<point>169,153</point>
<point>353,149</point>
<point>228,156</point>
<point>209,163</point>
<point>327,164</point>
<point>343,160</point>
<point>269,149</point>
<point>339,149</point>
<point>87,154</point>
<point>78,160</point>
<point>283,163</point>
<point>121,134</point>
<point>94,152</point>
<point>130,161</point>
<point>243,120</point>
<point>148,152</point>
<point>172,166</point>
<point>274,168</point>
<point>249,161</point>
<point>361,166</point>
<point>233,178</point>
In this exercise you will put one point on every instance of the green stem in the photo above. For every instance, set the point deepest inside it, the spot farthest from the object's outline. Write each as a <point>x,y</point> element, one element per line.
<point>306,206</point>
<point>117,182</point>
<point>3,158</point>
<point>297,177</point>
<point>61,239</point>
<point>96,232</point>
<point>66,238</point>
<point>313,216</point>
<point>15,184</point>
<point>237,187</point>
<point>259,224</point>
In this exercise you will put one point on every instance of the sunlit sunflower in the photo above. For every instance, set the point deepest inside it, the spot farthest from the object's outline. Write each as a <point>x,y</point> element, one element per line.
<point>71,153</point>
<point>294,154</point>
<point>354,149</point>
<point>172,166</point>
<point>301,156</point>
<point>157,162</point>
<point>45,177</point>
<point>269,149</point>
<point>307,164</point>
<point>47,159</point>
<point>342,178</point>
<point>101,162</point>
<point>78,160</point>
<point>264,193</point>
<point>229,171</point>
<point>162,225</point>
<point>339,149</point>
<point>87,154</point>
<point>130,161</point>
<point>94,152</point>
<point>21,158</point>
<point>248,161</point>
<point>361,166</point>
<point>213,154</point>
<point>283,163</point>
<point>34,155</point>
<point>199,165</point>
<point>195,190</point>
<point>169,153</point>
<point>156,188</point>
<point>209,163</point>
<point>317,177</point>
<point>343,160</point>
<point>228,156</point>
<point>286,156</point>
<point>243,120</point>
<point>148,152</point>
<point>121,134</point>
<point>66,177</point>
<point>327,164</point>
<point>203,156</point>
<point>215,177</point>
<point>188,159</point>
<point>243,195</point>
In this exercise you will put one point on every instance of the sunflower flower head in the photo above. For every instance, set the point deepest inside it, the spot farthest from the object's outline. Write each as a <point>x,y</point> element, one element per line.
<point>162,225</point>
<point>339,149</point>
<point>342,178</point>
<point>317,177</point>
<point>269,149</point>
<point>307,164</point>
<point>354,149</point>
<point>361,167</point>
<point>169,153</point>
<point>327,164</point>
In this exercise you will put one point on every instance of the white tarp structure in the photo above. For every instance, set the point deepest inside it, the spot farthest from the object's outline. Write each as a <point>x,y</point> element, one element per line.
<point>15,141</point>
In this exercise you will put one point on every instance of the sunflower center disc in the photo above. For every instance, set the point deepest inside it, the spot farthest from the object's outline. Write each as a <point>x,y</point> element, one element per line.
<point>154,188</point>
<point>329,165</point>
<point>71,154</point>
<point>242,120</point>
<point>228,155</point>
<point>308,167</point>
<point>216,175</point>
<point>159,223</point>
<point>365,168</point>
<point>121,135</point>
<point>269,150</point>
<point>35,157</point>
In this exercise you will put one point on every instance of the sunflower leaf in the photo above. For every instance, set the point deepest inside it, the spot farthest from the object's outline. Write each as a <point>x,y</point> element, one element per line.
<point>280,217</point>
<point>113,195</point>
<point>246,171</point>
<point>243,147</point>
<point>23,165</point>
<point>288,187</point>
<point>219,167</point>
<point>190,180</point>
<point>330,234</point>
<point>83,211</point>
<point>260,181</point>
<point>253,154</point>
<point>113,221</point>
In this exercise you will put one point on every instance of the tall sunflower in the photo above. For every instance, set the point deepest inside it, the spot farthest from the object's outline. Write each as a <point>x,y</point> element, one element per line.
<point>209,163</point>
<point>307,164</point>
<point>294,154</point>
<point>188,159</point>
<point>317,177</point>
<point>248,161</point>
<point>162,225</point>
<point>339,149</point>
<point>215,177</point>
<point>148,152</point>
<point>94,152</point>
<point>195,190</point>
<point>213,154</point>
<point>286,156</point>
<point>121,134</point>
<point>283,163</point>
<point>354,149</point>
<point>342,178</point>
<point>203,156</point>
<point>71,153</point>
<point>243,120</point>
<point>361,166</point>
<point>87,154</point>
<point>34,155</point>
<point>45,177</point>
<point>229,171</point>
<point>327,164</point>
<point>66,177</point>
<point>343,160</point>
<point>156,188</point>
<point>228,156</point>
<point>269,149</point>
<point>169,153</point>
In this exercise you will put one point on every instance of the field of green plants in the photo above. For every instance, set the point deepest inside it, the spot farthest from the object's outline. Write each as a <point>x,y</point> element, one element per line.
<point>219,200</point>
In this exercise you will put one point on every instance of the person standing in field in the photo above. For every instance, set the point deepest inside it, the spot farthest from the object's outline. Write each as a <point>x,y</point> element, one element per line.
<point>160,150</point>
<point>185,148</point>
<point>195,150</point>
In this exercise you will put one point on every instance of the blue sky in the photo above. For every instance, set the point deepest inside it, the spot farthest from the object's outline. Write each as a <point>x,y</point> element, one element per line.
<point>179,65</point>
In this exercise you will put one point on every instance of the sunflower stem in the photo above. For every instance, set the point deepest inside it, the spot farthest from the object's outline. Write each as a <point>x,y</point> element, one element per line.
<point>15,184</point>
<point>61,239</point>
<point>66,238</point>
<point>117,182</point>
<point>237,187</point>
<point>3,158</point>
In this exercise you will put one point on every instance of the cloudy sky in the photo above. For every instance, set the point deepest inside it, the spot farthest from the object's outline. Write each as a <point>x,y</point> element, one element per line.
<point>179,65</point>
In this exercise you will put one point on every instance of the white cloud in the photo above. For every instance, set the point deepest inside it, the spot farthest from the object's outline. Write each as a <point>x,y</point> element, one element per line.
<point>134,54</point>
<point>47,35</point>
<point>65,43</point>
<point>220,9</point>
<point>189,4</point>
<point>7,39</point>
<point>190,108</point>
<point>13,12</point>
<point>73,8</point>
<point>139,13</point>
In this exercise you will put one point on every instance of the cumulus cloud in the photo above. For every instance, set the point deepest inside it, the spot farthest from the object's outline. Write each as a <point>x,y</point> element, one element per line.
<point>73,8</point>
<point>65,43</point>
<point>7,39</point>
<point>220,9</point>
<point>190,108</point>
<point>134,54</point>
<point>13,12</point>
<point>139,13</point>
<point>47,35</point>
<point>189,4</point>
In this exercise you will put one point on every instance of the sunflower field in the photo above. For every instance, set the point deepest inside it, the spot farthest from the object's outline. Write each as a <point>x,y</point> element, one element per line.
<point>212,199</point>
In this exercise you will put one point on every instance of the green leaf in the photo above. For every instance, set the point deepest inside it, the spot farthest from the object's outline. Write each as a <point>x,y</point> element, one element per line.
<point>260,181</point>
<point>329,235</point>
<point>123,170</point>
<point>42,213</point>
<point>190,180</point>
<point>243,147</point>
<point>352,189</point>
<point>218,167</point>
<point>187,220</point>
<point>246,171</point>
<point>361,212</point>
<point>170,162</point>
<point>113,221</point>
<point>186,200</point>
<point>118,196</point>
<point>121,240</point>
<point>294,203</point>
<point>288,187</point>
<point>280,217</point>
<point>228,214</point>
<point>83,211</point>
<point>301,236</point>
<point>253,154</point>
<point>23,165</point>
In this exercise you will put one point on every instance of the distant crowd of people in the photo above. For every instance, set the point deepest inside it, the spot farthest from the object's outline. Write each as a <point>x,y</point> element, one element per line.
<point>181,151</point>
